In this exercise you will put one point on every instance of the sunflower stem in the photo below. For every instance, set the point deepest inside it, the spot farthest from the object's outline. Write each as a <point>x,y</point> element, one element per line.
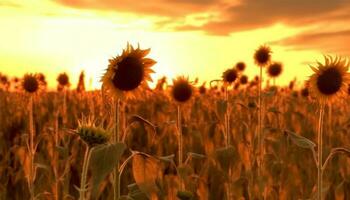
<point>260,148</point>
<point>83,187</point>
<point>31,150</point>
<point>116,138</point>
<point>227,119</point>
<point>180,148</point>
<point>319,151</point>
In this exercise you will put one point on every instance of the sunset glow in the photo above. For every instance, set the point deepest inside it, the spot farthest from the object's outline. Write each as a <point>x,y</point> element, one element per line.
<point>195,38</point>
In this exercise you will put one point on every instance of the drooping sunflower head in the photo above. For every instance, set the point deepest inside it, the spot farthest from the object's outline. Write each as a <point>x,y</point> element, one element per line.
<point>262,55</point>
<point>330,79</point>
<point>91,134</point>
<point>240,66</point>
<point>30,83</point>
<point>181,90</point>
<point>63,80</point>
<point>243,79</point>
<point>274,69</point>
<point>128,73</point>
<point>229,76</point>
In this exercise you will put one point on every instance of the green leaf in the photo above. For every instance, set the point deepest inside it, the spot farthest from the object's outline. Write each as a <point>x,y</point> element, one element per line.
<point>184,195</point>
<point>168,158</point>
<point>300,140</point>
<point>135,192</point>
<point>104,159</point>
<point>184,171</point>
<point>145,170</point>
<point>196,155</point>
<point>227,157</point>
<point>221,106</point>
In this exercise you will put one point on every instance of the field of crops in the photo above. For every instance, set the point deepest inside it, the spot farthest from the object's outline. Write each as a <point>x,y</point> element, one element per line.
<point>185,142</point>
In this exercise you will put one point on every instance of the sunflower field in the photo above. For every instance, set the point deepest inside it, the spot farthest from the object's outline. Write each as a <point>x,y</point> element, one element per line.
<point>233,138</point>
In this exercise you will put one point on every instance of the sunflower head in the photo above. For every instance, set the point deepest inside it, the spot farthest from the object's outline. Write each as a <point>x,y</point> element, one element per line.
<point>202,89</point>
<point>30,83</point>
<point>63,79</point>
<point>274,69</point>
<point>181,90</point>
<point>240,66</point>
<point>329,79</point>
<point>91,134</point>
<point>304,92</point>
<point>127,73</point>
<point>262,55</point>
<point>229,76</point>
<point>243,79</point>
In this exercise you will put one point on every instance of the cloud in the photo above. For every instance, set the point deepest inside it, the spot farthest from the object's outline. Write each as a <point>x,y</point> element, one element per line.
<point>331,41</point>
<point>229,15</point>
<point>253,14</point>
<point>172,8</point>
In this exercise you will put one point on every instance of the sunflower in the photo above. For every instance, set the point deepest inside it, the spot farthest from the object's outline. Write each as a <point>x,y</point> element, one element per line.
<point>181,90</point>
<point>330,80</point>
<point>240,66</point>
<point>30,83</point>
<point>262,55</point>
<point>243,79</point>
<point>63,80</point>
<point>229,76</point>
<point>274,69</point>
<point>128,73</point>
<point>304,92</point>
<point>91,134</point>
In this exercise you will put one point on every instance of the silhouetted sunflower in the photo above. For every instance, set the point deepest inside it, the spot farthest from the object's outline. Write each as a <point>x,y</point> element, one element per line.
<point>240,66</point>
<point>304,92</point>
<point>330,79</point>
<point>262,56</point>
<point>229,76</point>
<point>30,83</point>
<point>63,80</point>
<point>243,79</point>
<point>349,89</point>
<point>181,90</point>
<point>274,69</point>
<point>128,73</point>
<point>91,134</point>
<point>202,89</point>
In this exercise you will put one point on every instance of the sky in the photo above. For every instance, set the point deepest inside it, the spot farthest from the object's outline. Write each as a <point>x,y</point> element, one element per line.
<point>195,38</point>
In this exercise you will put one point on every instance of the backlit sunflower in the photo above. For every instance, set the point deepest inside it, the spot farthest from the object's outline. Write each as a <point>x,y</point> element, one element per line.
<point>182,89</point>
<point>330,80</point>
<point>229,76</point>
<point>274,69</point>
<point>30,83</point>
<point>128,73</point>
<point>91,134</point>
<point>262,56</point>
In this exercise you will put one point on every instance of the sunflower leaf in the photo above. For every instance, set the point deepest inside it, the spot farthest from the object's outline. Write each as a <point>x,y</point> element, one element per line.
<point>104,159</point>
<point>300,140</point>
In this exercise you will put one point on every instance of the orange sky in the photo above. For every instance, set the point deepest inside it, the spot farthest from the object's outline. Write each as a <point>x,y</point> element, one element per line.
<point>198,38</point>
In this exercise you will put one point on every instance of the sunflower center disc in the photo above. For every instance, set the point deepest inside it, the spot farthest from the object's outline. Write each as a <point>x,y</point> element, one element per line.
<point>129,74</point>
<point>182,92</point>
<point>329,82</point>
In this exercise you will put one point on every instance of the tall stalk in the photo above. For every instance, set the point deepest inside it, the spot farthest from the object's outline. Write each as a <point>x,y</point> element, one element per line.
<point>227,120</point>
<point>116,138</point>
<point>84,173</point>
<point>260,148</point>
<point>180,143</point>
<point>31,150</point>
<point>319,151</point>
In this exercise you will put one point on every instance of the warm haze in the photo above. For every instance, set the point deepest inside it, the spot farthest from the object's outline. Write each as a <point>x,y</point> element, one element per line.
<point>199,38</point>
